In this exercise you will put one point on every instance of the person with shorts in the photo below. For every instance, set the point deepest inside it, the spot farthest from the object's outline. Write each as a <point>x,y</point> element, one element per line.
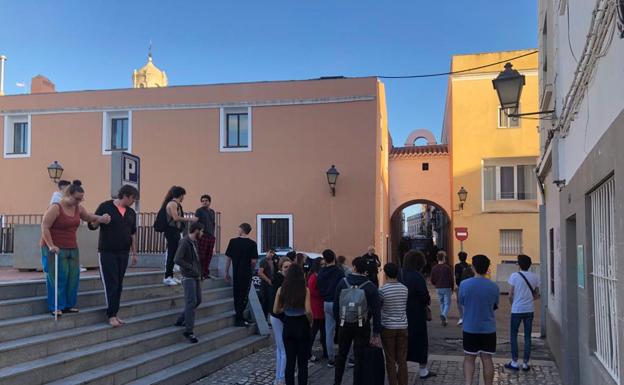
<point>479,297</point>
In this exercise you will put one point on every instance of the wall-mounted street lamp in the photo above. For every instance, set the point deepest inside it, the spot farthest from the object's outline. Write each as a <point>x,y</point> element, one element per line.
<point>463,194</point>
<point>508,85</point>
<point>55,171</point>
<point>332,177</point>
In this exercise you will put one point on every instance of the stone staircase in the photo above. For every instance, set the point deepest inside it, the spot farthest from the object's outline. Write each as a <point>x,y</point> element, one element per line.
<point>83,349</point>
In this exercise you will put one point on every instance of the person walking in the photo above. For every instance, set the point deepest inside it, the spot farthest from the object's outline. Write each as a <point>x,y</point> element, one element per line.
<point>418,302</point>
<point>176,223</point>
<point>266,271</point>
<point>242,254</point>
<point>373,263</point>
<point>523,291</point>
<point>58,194</point>
<point>479,296</point>
<point>58,237</point>
<point>463,271</point>
<point>187,257</point>
<point>277,322</point>
<point>293,299</point>
<point>393,296</point>
<point>442,279</point>
<point>117,239</point>
<point>207,217</point>
<point>318,313</point>
<point>327,280</point>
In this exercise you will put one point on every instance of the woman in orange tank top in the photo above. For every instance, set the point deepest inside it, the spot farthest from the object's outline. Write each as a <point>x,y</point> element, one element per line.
<point>58,236</point>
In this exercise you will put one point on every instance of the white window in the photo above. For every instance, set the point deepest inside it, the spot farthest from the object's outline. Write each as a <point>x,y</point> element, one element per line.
<point>504,121</point>
<point>274,231</point>
<point>17,138</point>
<point>510,242</point>
<point>235,132</point>
<point>509,182</point>
<point>117,131</point>
<point>604,272</point>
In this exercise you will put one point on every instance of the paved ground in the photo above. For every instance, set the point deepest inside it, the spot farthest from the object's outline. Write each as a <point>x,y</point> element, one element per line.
<point>445,359</point>
<point>8,274</point>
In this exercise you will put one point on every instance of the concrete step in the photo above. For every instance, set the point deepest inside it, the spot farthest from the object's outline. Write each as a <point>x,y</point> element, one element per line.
<point>26,306</point>
<point>215,331</point>
<point>40,346</point>
<point>36,288</point>
<point>200,366</point>
<point>22,327</point>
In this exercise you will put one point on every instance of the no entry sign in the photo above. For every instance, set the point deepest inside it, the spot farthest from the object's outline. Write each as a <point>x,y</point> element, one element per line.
<point>461,233</point>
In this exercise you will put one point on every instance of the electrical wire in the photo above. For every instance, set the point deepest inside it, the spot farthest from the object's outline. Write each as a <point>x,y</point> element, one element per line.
<point>454,72</point>
<point>569,41</point>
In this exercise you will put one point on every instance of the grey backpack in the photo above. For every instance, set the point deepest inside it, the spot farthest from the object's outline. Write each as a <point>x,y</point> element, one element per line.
<point>353,304</point>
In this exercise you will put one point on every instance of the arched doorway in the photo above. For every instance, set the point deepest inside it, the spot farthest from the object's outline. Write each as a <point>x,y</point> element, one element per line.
<point>422,225</point>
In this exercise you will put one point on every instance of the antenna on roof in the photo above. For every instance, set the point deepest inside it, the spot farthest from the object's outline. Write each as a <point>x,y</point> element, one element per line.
<point>149,51</point>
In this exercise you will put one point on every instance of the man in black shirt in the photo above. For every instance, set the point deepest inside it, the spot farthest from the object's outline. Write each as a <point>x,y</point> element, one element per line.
<point>207,217</point>
<point>116,239</point>
<point>242,253</point>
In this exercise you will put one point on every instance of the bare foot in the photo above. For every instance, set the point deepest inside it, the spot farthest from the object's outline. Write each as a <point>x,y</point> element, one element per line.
<point>114,322</point>
<point>120,320</point>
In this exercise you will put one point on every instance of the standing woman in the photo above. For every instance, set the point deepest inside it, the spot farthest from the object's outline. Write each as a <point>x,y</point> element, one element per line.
<point>277,322</point>
<point>58,232</point>
<point>316,302</point>
<point>293,299</point>
<point>176,222</point>
<point>417,302</point>
<point>266,271</point>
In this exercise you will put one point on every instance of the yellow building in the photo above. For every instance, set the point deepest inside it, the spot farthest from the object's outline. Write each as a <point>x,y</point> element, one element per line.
<point>493,158</point>
<point>149,75</point>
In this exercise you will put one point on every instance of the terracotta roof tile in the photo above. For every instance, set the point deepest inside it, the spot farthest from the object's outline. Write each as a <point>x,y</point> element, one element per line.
<point>409,151</point>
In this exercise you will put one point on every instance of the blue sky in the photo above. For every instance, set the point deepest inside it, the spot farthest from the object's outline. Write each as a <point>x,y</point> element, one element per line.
<point>96,44</point>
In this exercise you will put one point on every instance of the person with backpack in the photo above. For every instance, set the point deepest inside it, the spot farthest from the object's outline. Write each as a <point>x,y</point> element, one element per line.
<point>293,299</point>
<point>418,312</point>
<point>373,263</point>
<point>207,217</point>
<point>327,280</point>
<point>463,271</point>
<point>116,240</point>
<point>393,296</point>
<point>356,300</point>
<point>170,220</point>
<point>442,279</point>
<point>523,291</point>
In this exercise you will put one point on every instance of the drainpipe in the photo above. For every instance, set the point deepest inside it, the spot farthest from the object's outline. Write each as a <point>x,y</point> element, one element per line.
<point>2,60</point>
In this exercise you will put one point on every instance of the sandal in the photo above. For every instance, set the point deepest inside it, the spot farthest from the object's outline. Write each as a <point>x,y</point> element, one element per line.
<point>71,310</point>
<point>57,313</point>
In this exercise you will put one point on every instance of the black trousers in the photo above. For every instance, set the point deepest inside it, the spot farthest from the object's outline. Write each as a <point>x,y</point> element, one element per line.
<point>192,299</point>
<point>318,325</point>
<point>240,285</point>
<point>296,343</point>
<point>172,235</point>
<point>113,265</point>
<point>360,336</point>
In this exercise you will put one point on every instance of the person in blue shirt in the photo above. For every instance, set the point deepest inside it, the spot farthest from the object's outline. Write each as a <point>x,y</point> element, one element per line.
<point>479,296</point>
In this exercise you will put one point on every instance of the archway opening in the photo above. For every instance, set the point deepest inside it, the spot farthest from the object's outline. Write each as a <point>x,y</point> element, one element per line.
<point>421,141</point>
<point>420,225</point>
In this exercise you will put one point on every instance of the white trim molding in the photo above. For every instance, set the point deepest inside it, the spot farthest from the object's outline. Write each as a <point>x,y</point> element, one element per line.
<point>9,121</point>
<point>259,219</point>
<point>223,111</point>
<point>107,117</point>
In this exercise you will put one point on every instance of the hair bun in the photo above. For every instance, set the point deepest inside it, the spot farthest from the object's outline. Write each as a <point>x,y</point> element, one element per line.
<point>77,182</point>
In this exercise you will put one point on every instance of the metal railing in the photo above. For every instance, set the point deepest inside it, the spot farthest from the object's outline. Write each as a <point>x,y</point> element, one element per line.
<point>148,240</point>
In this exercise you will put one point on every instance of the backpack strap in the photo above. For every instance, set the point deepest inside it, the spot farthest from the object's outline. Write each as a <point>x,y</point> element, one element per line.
<point>527,282</point>
<point>364,283</point>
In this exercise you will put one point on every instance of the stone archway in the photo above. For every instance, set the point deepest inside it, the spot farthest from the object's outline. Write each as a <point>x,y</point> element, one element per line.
<point>420,134</point>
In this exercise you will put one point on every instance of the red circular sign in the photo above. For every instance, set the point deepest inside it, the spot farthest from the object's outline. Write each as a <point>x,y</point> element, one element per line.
<point>461,233</point>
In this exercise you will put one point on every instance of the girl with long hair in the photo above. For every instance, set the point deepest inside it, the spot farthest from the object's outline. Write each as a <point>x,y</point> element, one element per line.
<point>293,300</point>
<point>277,321</point>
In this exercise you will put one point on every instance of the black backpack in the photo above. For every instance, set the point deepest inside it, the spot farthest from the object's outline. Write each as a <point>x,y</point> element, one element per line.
<point>466,273</point>
<point>161,223</point>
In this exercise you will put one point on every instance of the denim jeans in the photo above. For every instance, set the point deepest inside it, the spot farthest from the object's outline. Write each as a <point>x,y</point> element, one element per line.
<point>68,277</point>
<point>445,301</point>
<point>516,318</point>
<point>280,350</point>
<point>330,329</point>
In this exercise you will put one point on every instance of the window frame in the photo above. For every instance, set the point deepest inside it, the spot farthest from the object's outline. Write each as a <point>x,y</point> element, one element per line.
<point>223,128</point>
<point>497,181</point>
<point>9,132</point>
<point>107,130</point>
<point>500,114</point>
<point>259,219</point>
<point>512,253</point>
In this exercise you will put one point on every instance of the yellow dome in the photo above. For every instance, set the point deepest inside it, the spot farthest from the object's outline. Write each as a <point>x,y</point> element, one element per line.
<point>149,76</point>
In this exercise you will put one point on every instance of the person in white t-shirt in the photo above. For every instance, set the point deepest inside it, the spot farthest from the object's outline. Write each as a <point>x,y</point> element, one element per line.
<point>524,290</point>
<point>58,194</point>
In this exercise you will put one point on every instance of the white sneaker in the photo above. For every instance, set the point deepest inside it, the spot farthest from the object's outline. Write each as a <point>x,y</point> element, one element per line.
<point>460,322</point>
<point>169,282</point>
<point>82,269</point>
<point>177,280</point>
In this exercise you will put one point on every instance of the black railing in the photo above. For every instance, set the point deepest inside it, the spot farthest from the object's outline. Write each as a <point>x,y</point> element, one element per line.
<point>148,240</point>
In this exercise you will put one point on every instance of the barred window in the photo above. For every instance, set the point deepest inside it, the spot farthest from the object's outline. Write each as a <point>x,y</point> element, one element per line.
<point>510,242</point>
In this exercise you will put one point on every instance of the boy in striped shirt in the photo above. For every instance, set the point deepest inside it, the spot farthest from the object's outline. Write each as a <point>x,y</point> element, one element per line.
<point>393,296</point>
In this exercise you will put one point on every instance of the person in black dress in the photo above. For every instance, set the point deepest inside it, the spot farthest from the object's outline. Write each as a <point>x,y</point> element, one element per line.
<point>417,301</point>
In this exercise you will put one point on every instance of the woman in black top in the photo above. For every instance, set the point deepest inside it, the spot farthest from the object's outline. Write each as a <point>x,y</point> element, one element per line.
<point>277,322</point>
<point>176,224</point>
<point>266,271</point>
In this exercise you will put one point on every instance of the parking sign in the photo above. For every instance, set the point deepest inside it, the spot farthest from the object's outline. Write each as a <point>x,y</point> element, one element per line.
<point>125,169</point>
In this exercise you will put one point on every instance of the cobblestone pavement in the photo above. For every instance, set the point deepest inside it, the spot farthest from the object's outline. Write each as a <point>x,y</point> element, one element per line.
<point>445,349</point>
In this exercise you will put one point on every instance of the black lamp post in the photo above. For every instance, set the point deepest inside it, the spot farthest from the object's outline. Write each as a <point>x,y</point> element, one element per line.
<point>332,177</point>
<point>463,194</point>
<point>55,171</point>
<point>508,85</point>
